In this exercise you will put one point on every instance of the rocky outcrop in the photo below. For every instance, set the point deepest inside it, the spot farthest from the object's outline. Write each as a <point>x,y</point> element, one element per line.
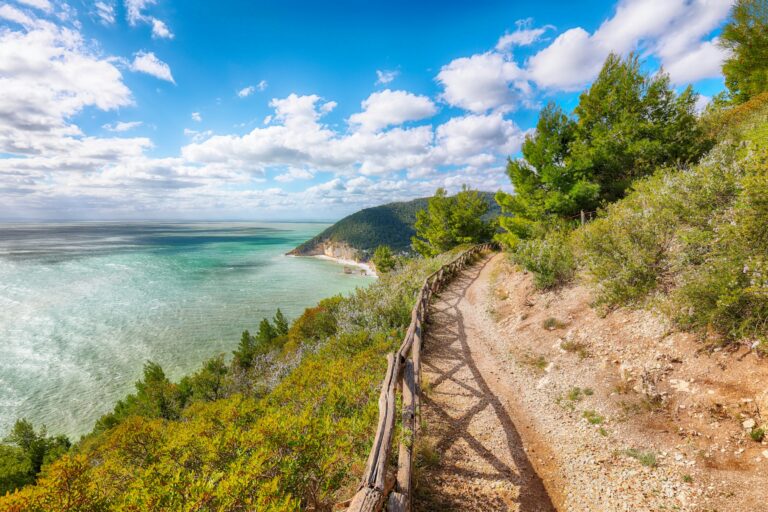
<point>338,250</point>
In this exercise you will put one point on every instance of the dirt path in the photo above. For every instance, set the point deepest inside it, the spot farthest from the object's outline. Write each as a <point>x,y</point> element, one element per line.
<point>534,401</point>
<point>482,463</point>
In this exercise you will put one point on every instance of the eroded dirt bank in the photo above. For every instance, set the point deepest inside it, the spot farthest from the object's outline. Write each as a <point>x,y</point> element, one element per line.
<point>527,391</point>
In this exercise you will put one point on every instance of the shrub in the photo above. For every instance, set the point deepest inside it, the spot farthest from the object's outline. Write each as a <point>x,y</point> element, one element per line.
<point>695,235</point>
<point>550,258</point>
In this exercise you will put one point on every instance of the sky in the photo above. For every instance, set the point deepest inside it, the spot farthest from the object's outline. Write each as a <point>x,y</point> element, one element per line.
<point>301,110</point>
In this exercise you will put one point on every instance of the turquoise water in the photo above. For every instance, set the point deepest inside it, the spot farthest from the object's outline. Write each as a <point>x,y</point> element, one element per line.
<point>84,305</point>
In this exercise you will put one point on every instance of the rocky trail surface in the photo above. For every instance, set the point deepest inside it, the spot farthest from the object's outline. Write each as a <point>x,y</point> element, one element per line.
<point>534,402</point>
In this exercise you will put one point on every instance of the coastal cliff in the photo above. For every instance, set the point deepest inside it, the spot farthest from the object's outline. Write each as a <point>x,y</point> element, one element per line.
<point>331,249</point>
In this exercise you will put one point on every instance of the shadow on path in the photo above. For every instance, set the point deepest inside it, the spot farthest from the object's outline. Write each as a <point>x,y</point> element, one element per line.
<point>482,462</point>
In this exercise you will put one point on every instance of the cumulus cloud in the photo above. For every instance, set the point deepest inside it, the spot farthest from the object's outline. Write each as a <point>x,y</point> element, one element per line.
<point>483,82</point>
<point>383,76</point>
<point>673,30</point>
<point>122,126</point>
<point>48,75</point>
<point>147,62</point>
<point>390,150</point>
<point>196,117</point>
<point>387,108</point>
<point>294,174</point>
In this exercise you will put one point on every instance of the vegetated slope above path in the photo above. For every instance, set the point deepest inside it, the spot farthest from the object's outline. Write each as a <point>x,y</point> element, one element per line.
<point>617,413</point>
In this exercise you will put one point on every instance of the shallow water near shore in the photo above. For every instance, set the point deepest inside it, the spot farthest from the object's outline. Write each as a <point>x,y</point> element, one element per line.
<point>84,305</point>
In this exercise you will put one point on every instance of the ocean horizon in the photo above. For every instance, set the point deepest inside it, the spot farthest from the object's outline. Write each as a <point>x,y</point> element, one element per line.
<point>84,304</point>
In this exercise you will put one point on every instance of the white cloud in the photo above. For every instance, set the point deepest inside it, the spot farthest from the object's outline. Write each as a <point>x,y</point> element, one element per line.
<point>525,35</point>
<point>387,108</point>
<point>293,174</point>
<point>297,139</point>
<point>105,12</point>
<point>134,11</point>
<point>198,136</point>
<point>47,75</point>
<point>147,62</point>
<point>43,5</point>
<point>160,29</point>
<point>122,126</point>
<point>569,63</point>
<point>134,8</point>
<point>478,139</point>
<point>13,14</point>
<point>197,117</point>
<point>483,82</point>
<point>246,91</point>
<point>384,76</point>
<point>673,30</point>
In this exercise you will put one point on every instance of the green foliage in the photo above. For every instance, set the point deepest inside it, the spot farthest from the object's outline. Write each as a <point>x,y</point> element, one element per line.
<point>389,224</point>
<point>155,397</point>
<point>208,383</point>
<point>624,126</point>
<point>746,38</point>
<point>383,259</point>
<point>693,237</point>
<point>25,453</point>
<point>281,323</point>
<point>449,221</point>
<point>550,258</point>
<point>757,434</point>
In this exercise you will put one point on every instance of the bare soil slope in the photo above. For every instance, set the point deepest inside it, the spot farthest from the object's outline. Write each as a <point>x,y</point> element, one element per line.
<point>529,392</point>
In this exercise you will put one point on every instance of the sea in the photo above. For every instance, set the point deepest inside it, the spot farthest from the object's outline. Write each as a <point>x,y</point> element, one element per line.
<point>84,305</point>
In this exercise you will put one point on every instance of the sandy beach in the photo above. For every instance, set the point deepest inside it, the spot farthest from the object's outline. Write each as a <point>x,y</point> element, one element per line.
<point>368,269</point>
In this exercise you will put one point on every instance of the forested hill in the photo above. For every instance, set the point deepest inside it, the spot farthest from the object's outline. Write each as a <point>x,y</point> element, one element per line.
<point>389,224</point>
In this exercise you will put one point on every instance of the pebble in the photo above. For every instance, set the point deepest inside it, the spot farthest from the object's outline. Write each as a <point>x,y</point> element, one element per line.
<point>748,424</point>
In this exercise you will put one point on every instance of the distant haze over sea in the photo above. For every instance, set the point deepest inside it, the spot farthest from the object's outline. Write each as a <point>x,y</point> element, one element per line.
<point>83,305</point>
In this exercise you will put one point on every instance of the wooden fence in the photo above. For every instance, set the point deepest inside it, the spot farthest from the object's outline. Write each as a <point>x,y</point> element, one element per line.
<point>378,486</point>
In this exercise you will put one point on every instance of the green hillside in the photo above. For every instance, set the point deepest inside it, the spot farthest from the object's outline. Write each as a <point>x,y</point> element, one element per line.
<point>389,224</point>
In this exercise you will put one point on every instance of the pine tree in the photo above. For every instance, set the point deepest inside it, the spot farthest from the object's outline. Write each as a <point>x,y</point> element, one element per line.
<point>281,323</point>
<point>450,221</point>
<point>245,350</point>
<point>746,38</point>
<point>625,126</point>
<point>383,259</point>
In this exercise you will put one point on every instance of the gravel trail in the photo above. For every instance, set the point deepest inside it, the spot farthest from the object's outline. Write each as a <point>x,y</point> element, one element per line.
<point>467,414</point>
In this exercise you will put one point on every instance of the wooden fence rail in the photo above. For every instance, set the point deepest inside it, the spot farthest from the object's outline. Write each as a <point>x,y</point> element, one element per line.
<point>378,486</point>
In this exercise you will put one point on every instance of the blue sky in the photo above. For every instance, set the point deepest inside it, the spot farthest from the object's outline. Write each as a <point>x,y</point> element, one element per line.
<point>150,109</point>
